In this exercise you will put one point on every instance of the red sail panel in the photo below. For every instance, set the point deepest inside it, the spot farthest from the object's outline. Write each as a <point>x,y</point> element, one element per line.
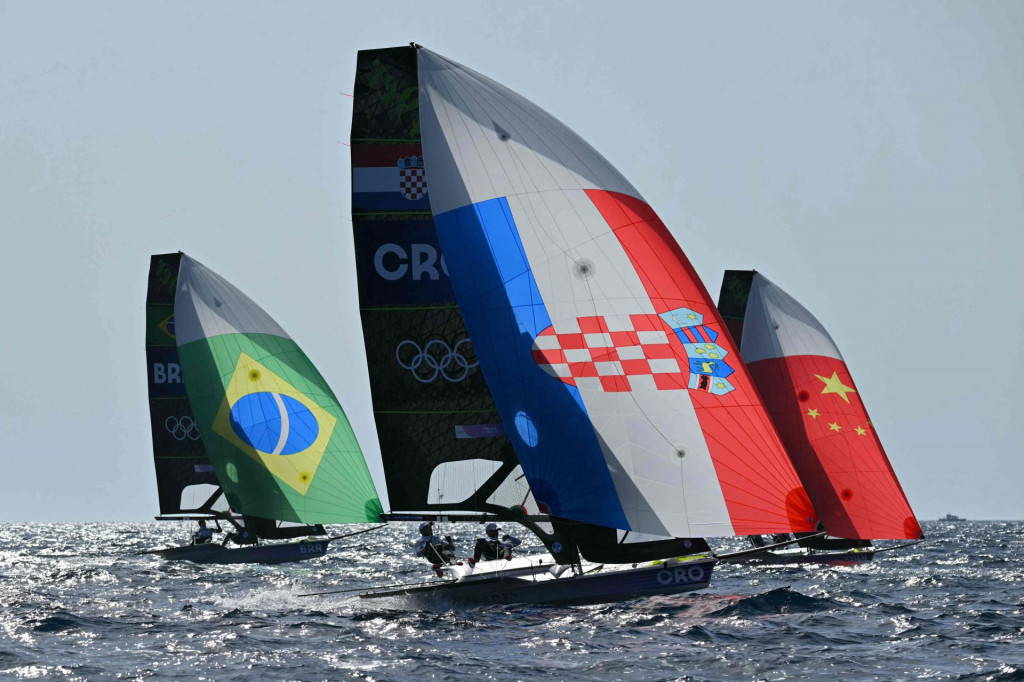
<point>817,411</point>
<point>821,419</point>
<point>759,484</point>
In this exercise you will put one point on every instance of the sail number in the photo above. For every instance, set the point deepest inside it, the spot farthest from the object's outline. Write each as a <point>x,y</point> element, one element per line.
<point>422,261</point>
<point>312,548</point>
<point>681,574</point>
<point>166,373</point>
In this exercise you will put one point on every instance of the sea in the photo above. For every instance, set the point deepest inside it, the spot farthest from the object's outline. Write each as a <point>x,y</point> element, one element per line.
<point>79,602</point>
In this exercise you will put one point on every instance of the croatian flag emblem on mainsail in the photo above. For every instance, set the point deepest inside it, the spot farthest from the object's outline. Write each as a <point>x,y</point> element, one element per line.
<point>388,177</point>
<point>673,351</point>
<point>412,179</point>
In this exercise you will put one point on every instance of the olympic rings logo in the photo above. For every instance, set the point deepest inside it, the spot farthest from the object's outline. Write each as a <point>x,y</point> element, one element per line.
<point>182,427</point>
<point>435,359</point>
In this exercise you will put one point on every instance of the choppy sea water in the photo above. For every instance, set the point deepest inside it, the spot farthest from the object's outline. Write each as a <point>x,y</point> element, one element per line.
<point>80,604</point>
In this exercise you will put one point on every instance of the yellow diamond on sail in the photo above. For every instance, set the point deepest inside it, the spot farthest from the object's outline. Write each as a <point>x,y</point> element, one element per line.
<point>277,425</point>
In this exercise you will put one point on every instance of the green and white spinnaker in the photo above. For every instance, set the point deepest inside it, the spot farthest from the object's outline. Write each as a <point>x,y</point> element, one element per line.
<point>279,441</point>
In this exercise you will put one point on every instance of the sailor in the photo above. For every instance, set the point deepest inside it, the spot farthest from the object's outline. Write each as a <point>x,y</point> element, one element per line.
<point>434,549</point>
<point>490,547</point>
<point>242,535</point>
<point>203,535</point>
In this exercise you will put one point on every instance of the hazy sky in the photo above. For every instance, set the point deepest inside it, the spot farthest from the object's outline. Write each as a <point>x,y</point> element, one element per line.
<point>867,157</point>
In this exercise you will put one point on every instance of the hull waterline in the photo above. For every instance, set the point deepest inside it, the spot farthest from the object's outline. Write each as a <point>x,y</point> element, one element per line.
<point>851,558</point>
<point>594,587</point>
<point>260,554</point>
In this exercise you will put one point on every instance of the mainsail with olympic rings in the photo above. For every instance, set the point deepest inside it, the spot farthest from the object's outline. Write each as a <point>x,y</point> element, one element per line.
<point>443,445</point>
<point>185,480</point>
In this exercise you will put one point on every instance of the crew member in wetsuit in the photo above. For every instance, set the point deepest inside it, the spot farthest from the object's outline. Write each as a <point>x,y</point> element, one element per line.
<point>434,549</point>
<point>203,535</point>
<point>490,547</point>
<point>242,535</point>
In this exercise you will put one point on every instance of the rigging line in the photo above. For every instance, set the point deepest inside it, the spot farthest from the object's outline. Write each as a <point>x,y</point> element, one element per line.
<point>906,544</point>
<point>358,532</point>
<point>374,589</point>
<point>726,558</point>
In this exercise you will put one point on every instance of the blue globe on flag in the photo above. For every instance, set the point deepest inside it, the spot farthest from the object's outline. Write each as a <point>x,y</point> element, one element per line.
<point>274,423</point>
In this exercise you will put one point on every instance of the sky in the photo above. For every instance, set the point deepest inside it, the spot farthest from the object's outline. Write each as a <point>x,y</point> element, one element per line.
<point>868,157</point>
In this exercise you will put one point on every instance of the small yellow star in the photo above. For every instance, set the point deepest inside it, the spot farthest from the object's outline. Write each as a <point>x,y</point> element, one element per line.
<point>834,385</point>
<point>813,414</point>
<point>835,427</point>
<point>860,431</point>
<point>691,316</point>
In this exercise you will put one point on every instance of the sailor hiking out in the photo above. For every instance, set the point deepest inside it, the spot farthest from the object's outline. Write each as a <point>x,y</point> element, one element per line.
<point>438,551</point>
<point>490,547</point>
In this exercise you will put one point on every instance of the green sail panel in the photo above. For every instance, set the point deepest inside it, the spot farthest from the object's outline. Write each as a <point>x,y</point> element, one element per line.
<point>275,432</point>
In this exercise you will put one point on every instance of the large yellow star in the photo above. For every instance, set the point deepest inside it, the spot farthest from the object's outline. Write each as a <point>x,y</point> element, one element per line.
<point>834,385</point>
<point>860,431</point>
<point>813,414</point>
<point>834,426</point>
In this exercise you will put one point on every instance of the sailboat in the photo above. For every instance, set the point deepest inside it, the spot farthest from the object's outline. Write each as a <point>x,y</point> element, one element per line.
<point>541,350</point>
<point>821,418</point>
<point>245,430</point>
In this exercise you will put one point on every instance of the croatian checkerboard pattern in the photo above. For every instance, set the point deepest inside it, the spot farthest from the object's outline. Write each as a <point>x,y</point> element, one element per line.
<point>412,182</point>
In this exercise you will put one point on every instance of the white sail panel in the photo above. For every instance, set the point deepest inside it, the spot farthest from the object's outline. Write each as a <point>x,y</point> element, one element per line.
<point>501,143</point>
<point>208,305</point>
<point>777,326</point>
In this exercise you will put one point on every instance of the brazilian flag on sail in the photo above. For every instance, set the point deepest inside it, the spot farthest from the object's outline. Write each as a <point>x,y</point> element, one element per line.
<point>279,441</point>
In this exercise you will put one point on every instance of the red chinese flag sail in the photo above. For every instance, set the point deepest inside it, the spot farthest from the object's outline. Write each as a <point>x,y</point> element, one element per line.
<point>817,411</point>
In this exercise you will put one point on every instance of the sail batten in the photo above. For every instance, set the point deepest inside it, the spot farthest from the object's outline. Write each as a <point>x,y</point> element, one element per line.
<point>597,340</point>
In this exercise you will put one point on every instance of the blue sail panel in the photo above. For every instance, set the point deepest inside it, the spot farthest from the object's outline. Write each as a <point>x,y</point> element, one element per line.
<point>504,313</point>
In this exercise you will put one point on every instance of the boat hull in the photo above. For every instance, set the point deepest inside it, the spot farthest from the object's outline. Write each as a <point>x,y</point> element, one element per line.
<point>850,558</point>
<point>259,554</point>
<point>590,588</point>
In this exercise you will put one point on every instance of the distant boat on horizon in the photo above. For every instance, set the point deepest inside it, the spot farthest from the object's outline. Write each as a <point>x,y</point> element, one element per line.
<point>952,517</point>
